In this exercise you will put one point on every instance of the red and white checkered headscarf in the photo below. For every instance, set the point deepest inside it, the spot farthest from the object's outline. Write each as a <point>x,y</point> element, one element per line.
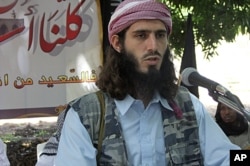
<point>130,11</point>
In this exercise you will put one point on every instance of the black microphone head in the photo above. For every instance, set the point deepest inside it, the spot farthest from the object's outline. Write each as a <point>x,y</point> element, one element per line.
<point>186,74</point>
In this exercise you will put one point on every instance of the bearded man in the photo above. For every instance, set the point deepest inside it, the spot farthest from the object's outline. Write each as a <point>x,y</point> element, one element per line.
<point>148,119</point>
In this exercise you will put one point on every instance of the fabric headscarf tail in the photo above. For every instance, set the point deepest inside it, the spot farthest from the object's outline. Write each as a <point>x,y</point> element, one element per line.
<point>130,11</point>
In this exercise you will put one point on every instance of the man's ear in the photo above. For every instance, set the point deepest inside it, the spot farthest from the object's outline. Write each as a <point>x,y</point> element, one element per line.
<point>116,43</point>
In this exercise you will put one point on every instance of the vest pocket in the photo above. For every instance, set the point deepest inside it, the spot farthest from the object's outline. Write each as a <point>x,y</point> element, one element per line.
<point>113,152</point>
<point>186,153</point>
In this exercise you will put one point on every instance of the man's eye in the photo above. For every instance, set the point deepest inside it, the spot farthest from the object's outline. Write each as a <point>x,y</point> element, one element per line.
<point>161,35</point>
<point>141,35</point>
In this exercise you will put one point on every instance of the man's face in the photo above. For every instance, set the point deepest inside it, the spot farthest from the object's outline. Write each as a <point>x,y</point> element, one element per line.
<point>147,41</point>
<point>227,114</point>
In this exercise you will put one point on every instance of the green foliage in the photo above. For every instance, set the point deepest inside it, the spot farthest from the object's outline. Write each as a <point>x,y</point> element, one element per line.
<point>213,21</point>
<point>9,137</point>
<point>42,133</point>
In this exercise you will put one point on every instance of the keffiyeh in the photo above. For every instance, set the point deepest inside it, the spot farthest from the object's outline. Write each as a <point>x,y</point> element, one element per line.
<point>130,11</point>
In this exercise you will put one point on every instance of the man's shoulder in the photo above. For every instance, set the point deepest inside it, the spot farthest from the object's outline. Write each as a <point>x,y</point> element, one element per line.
<point>182,93</point>
<point>89,97</point>
<point>182,89</point>
<point>90,100</point>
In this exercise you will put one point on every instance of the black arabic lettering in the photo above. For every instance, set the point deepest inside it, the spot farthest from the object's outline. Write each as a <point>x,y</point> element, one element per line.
<point>32,10</point>
<point>25,2</point>
<point>53,15</point>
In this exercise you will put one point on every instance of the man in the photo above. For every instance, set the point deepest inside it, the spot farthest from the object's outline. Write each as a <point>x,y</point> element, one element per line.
<point>234,125</point>
<point>149,120</point>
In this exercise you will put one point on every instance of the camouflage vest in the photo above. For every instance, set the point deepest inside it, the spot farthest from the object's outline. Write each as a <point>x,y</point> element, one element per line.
<point>181,135</point>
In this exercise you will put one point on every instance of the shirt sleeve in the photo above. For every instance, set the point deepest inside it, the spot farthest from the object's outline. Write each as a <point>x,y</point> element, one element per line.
<point>4,161</point>
<point>215,145</point>
<point>75,146</point>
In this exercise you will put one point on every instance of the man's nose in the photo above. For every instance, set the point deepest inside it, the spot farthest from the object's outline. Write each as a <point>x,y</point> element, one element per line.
<point>152,43</point>
<point>227,111</point>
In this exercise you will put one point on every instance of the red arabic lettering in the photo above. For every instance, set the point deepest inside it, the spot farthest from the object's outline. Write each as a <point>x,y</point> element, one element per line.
<point>46,46</point>
<point>31,32</point>
<point>72,18</point>
<point>8,7</point>
<point>11,33</point>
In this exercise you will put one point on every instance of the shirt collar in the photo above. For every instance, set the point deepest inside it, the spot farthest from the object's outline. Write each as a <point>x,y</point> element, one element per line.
<point>124,105</point>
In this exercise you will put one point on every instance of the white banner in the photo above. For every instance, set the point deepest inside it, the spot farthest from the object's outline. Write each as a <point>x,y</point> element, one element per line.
<point>50,52</point>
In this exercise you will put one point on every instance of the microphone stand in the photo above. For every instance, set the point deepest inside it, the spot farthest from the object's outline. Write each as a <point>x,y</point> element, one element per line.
<point>232,102</point>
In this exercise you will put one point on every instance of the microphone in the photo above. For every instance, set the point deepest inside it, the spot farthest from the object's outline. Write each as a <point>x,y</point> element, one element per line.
<point>190,77</point>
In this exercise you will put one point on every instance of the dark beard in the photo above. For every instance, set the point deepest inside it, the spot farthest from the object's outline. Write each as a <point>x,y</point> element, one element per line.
<point>144,84</point>
<point>147,83</point>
